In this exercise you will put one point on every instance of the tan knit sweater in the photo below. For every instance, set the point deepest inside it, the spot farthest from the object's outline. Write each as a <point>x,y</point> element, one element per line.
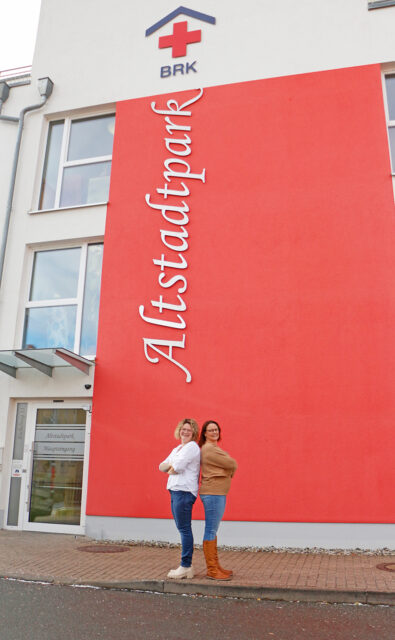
<point>217,468</point>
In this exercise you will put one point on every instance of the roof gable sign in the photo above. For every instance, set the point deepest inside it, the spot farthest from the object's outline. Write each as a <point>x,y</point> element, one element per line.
<point>180,11</point>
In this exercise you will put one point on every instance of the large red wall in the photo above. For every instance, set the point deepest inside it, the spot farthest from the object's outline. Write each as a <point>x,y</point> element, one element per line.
<point>290,335</point>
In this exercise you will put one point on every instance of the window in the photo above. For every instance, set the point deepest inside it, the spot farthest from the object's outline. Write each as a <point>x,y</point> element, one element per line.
<point>390,91</point>
<point>77,162</point>
<point>63,305</point>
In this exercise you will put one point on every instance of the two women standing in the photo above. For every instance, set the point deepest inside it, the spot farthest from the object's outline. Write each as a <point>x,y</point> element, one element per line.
<point>217,469</point>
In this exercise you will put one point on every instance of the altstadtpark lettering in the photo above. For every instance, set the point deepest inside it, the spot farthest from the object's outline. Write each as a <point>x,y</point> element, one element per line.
<point>172,263</point>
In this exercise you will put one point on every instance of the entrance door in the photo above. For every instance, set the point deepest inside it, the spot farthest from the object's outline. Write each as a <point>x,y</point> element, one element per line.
<point>56,471</point>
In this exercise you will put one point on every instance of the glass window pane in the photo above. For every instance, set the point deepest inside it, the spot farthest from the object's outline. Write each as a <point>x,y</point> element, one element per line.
<point>55,274</point>
<point>85,184</point>
<point>20,430</point>
<point>50,327</point>
<point>13,504</point>
<point>91,138</point>
<point>61,416</point>
<point>391,133</point>
<point>90,313</point>
<point>51,165</point>
<point>390,88</point>
<point>56,491</point>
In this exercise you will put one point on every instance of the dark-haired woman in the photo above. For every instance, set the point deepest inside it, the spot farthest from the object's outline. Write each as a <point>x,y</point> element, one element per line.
<point>183,467</point>
<point>217,469</point>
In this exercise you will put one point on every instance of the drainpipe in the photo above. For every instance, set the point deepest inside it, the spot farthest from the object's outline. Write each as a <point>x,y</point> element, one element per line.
<point>45,86</point>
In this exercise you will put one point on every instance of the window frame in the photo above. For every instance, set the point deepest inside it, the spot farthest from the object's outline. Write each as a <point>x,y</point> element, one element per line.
<point>390,124</point>
<point>77,301</point>
<point>64,163</point>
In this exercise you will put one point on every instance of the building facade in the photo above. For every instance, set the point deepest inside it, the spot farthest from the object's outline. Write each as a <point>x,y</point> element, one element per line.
<point>202,226</point>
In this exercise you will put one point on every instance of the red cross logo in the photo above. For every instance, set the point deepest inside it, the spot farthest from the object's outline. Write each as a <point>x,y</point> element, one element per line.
<point>180,38</point>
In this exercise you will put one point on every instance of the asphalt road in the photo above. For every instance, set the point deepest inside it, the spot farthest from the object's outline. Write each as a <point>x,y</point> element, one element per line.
<point>31,611</point>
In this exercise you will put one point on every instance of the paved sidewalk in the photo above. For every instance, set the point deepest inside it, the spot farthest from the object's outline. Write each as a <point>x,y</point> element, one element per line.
<point>261,575</point>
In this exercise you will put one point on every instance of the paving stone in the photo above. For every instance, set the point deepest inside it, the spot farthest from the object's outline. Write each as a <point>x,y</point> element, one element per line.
<point>268,574</point>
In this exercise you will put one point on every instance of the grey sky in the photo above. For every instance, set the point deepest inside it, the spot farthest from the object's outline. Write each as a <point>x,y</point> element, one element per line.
<point>19,25</point>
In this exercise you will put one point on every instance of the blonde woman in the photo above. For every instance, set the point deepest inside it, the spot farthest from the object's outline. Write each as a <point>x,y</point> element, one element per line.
<point>183,466</point>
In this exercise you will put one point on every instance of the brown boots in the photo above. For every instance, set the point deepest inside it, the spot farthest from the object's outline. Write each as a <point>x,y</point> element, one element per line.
<point>227,571</point>
<point>214,570</point>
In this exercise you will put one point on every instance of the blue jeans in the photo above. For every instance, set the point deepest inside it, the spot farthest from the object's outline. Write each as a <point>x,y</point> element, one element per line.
<point>181,508</point>
<point>214,507</point>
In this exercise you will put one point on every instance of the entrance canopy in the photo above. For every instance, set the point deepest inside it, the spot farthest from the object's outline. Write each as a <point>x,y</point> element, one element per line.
<point>43,360</point>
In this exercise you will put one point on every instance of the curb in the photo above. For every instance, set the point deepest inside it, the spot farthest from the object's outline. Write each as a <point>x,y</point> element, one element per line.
<point>259,593</point>
<point>330,596</point>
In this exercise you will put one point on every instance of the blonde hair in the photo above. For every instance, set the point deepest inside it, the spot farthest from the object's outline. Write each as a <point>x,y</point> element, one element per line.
<point>192,423</point>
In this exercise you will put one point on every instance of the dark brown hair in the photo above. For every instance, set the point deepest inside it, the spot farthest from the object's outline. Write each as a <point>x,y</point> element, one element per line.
<point>202,438</point>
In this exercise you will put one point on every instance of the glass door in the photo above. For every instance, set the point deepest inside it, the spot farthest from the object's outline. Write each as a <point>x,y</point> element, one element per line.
<point>55,496</point>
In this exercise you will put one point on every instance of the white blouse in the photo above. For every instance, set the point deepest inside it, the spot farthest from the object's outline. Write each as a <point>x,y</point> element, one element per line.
<point>185,460</point>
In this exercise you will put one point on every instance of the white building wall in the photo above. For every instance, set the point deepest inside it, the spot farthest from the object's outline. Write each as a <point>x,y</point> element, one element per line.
<point>96,52</point>
<point>27,232</point>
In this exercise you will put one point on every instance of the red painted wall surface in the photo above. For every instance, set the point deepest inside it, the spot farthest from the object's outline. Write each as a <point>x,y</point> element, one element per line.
<point>290,334</point>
